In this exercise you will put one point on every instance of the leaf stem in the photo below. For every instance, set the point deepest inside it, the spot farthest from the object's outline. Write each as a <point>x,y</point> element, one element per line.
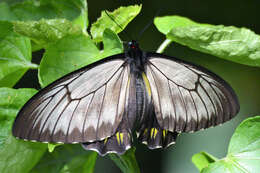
<point>33,66</point>
<point>163,46</point>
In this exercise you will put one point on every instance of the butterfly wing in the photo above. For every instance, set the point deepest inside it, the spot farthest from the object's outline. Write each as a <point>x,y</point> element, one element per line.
<point>85,106</point>
<point>187,97</point>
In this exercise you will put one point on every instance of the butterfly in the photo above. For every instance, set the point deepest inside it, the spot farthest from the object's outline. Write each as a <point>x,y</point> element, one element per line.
<point>105,104</point>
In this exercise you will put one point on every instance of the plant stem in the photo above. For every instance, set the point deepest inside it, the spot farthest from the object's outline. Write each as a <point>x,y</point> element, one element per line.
<point>33,66</point>
<point>163,46</point>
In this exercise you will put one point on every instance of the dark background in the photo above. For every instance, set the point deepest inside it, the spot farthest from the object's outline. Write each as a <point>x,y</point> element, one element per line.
<point>244,79</point>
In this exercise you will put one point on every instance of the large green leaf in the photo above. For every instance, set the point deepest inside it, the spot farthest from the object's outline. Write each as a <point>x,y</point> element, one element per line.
<point>67,159</point>
<point>44,31</point>
<point>72,52</point>
<point>243,153</point>
<point>116,21</point>
<point>166,23</point>
<point>35,19</point>
<point>15,55</point>
<point>33,10</point>
<point>16,155</point>
<point>126,162</point>
<point>231,43</point>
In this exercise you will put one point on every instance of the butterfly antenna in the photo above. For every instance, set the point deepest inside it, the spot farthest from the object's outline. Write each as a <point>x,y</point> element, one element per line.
<point>118,25</point>
<point>148,25</point>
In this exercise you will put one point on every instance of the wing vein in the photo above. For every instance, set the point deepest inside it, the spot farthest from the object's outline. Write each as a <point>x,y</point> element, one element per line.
<point>197,122</point>
<point>50,114</point>
<point>173,103</point>
<point>167,77</point>
<point>121,83</point>
<point>185,107</point>
<point>83,128</point>
<point>152,72</point>
<point>67,133</point>
<point>204,106</point>
<point>104,83</point>
<point>219,100</point>
<point>36,118</point>
<point>99,114</point>
<point>215,112</point>
<point>53,130</point>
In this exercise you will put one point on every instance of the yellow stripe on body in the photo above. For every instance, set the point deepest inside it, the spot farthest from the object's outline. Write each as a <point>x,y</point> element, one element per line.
<point>147,84</point>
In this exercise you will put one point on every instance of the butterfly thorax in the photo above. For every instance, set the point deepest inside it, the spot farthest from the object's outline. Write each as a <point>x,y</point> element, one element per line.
<point>135,56</point>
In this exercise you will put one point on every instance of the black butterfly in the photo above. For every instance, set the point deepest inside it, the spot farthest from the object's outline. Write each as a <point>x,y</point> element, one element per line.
<point>103,104</point>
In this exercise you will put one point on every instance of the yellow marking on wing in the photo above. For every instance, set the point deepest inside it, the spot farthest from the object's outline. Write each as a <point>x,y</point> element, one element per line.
<point>155,133</point>
<point>121,137</point>
<point>118,138</point>
<point>145,131</point>
<point>147,84</point>
<point>165,133</point>
<point>105,141</point>
<point>151,132</point>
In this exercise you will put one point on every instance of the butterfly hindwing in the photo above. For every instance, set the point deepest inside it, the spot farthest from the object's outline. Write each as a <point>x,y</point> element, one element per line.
<point>187,97</point>
<point>84,106</point>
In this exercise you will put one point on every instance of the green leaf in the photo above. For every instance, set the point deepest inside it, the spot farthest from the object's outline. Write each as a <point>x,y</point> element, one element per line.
<point>234,44</point>
<point>202,160</point>
<point>112,44</point>
<point>20,156</point>
<point>244,150</point>
<point>246,136</point>
<point>15,155</point>
<point>66,55</point>
<point>15,55</point>
<point>126,162</point>
<point>11,100</point>
<point>52,146</point>
<point>167,23</point>
<point>32,10</point>
<point>121,16</point>
<point>82,19</point>
<point>67,159</point>
<point>44,32</point>
<point>73,52</point>
<point>5,12</point>
<point>46,21</point>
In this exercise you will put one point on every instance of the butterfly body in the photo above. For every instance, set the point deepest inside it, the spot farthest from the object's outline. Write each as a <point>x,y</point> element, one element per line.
<point>103,104</point>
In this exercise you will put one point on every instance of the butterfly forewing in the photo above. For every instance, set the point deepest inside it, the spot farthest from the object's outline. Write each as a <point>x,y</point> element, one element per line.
<point>188,97</point>
<point>80,107</point>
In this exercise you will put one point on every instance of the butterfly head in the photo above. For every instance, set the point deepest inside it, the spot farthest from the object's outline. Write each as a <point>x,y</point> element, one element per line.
<point>133,45</point>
